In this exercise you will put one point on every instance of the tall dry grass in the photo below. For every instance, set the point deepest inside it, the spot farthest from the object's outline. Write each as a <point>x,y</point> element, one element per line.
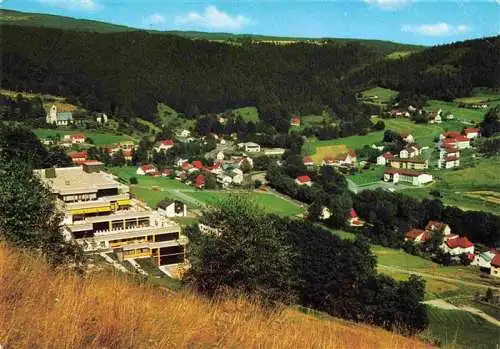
<point>43,308</point>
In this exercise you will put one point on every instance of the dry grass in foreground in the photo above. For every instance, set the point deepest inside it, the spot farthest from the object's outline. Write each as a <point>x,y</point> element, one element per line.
<point>42,308</point>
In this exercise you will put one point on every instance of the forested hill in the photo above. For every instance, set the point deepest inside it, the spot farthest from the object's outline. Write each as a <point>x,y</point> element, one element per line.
<point>442,72</point>
<point>41,20</point>
<point>128,73</point>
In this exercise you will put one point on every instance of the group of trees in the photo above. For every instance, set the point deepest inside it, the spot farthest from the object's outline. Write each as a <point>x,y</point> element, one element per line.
<point>288,261</point>
<point>28,214</point>
<point>22,109</point>
<point>391,215</point>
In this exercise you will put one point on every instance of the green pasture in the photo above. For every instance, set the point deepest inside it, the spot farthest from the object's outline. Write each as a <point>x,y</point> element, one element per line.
<point>379,94</point>
<point>99,138</point>
<point>248,113</point>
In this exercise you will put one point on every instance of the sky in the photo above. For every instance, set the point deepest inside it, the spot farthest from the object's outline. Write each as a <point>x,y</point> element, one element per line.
<point>422,22</point>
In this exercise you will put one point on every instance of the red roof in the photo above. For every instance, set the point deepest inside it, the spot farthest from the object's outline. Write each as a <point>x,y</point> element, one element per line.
<point>496,261</point>
<point>166,172</point>
<point>186,166</point>
<point>148,167</point>
<point>393,171</point>
<point>435,225</point>
<point>462,242</point>
<point>78,136</point>
<point>352,153</point>
<point>308,160</point>
<point>78,154</point>
<point>448,145</point>
<point>452,158</point>
<point>197,164</point>
<point>92,162</point>
<point>303,179</point>
<point>451,134</point>
<point>471,130</point>
<point>414,233</point>
<point>353,213</point>
<point>461,138</point>
<point>295,120</point>
<point>200,181</point>
<point>167,142</point>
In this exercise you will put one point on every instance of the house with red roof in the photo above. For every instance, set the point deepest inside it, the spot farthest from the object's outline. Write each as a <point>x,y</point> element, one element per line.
<point>295,121</point>
<point>165,145</point>
<point>354,220</point>
<point>472,132</point>
<point>418,235</point>
<point>495,265</point>
<point>303,180</point>
<point>346,159</point>
<point>308,161</point>
<point>199,181</point>
<point>147,169</point>
<point>385,159</point>
<point>438,227</point>
<point>77,138</point>
<point>454,138</point>
<point>449,155</point>
<point>328,161</point>
<point>197,164</point>
<point>458,246</point>
<point>78,157</point>
<point>408,176</point>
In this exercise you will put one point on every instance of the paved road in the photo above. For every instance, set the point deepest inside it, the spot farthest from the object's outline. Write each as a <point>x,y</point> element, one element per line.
<point>431,276</point>
<point>442,304</point>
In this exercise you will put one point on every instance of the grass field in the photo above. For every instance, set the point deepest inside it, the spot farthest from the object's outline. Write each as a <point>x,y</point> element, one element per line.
<point>461,329</point>
<point>248,113</point>
<point>480,95</point>
<point>99,138</point>
<point>331,150</point>
<point>152,127</point>
<point>462,114</point>
<point>353,142</point>
<point>379,94</point>
<point>373,174</point>
<point>399,54</point>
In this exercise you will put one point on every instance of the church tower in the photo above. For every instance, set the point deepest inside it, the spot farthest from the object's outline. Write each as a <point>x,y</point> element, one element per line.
<point>52,115</point>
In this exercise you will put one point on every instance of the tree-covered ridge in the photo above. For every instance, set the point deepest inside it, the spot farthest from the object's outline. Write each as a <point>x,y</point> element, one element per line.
<point>41,20</point>
<point>129,73</point>
<point>442,72</point>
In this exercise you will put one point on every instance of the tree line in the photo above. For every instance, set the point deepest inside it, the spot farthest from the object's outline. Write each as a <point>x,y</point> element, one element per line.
<point>281,260</point>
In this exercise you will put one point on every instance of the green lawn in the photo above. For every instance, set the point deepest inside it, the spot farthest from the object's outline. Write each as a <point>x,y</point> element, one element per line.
<point>271,203</point>
<point>462,114</point>
<point>399,258</point>
<point>128,172</point>
<point>352,142</point>
<point>461,329</point>
<point>384,94</point>
<point>248,113</point>
<point>373,174</point>
<point>99,138</point>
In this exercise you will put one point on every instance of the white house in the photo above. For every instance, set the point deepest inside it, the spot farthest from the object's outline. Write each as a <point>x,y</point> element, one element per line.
<point>439,227</point>
<point>457,246</point>
<point>483,260</point>
<point>348,158</point>
<point>183,133</point>
<point>220,156</point>
<point>237,176</point>
<point>407,137</point>
<point>145,169</point>
<point>77,138</point>
<point>414,178</point>
<point>165,145</point>
<point>308,161</point>
<point>250,147</point>
<point>410,151</point>
<point>472,132</point>
<point>385,158</point>
<point>172,208</point>
<point>224,179</point>
<point>274,151</point>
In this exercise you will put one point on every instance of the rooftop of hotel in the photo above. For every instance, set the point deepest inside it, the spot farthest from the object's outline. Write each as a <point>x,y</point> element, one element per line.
<point>75,180</point>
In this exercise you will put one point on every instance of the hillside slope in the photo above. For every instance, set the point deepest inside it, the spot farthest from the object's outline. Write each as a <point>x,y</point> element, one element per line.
<point>68,23</point>
<point>52,309</point>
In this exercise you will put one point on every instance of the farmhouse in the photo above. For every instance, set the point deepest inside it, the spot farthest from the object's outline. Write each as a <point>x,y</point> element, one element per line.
<point>400,175</point>
<point>418,235</point>
<point>77,138</point>
<point>100,215</point>
<point>495,266</point>
<point>147,169</point>
<point>60,116</point>
<point>165,145</point>
<point>410,164</point>
<point>385,158</point>
<point>172,208</point>
<point>295,121</point>
<point>78,157</point>
<point>483,260</point>
<point>308,161</point>
<point>472,133</point>
<point>328,161</point>
<point>438,227</point>
<point>458,246</point>
<point>346,159</point>
<point>250,147</point>
<point>303,180</point>
<point>410,151</point>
